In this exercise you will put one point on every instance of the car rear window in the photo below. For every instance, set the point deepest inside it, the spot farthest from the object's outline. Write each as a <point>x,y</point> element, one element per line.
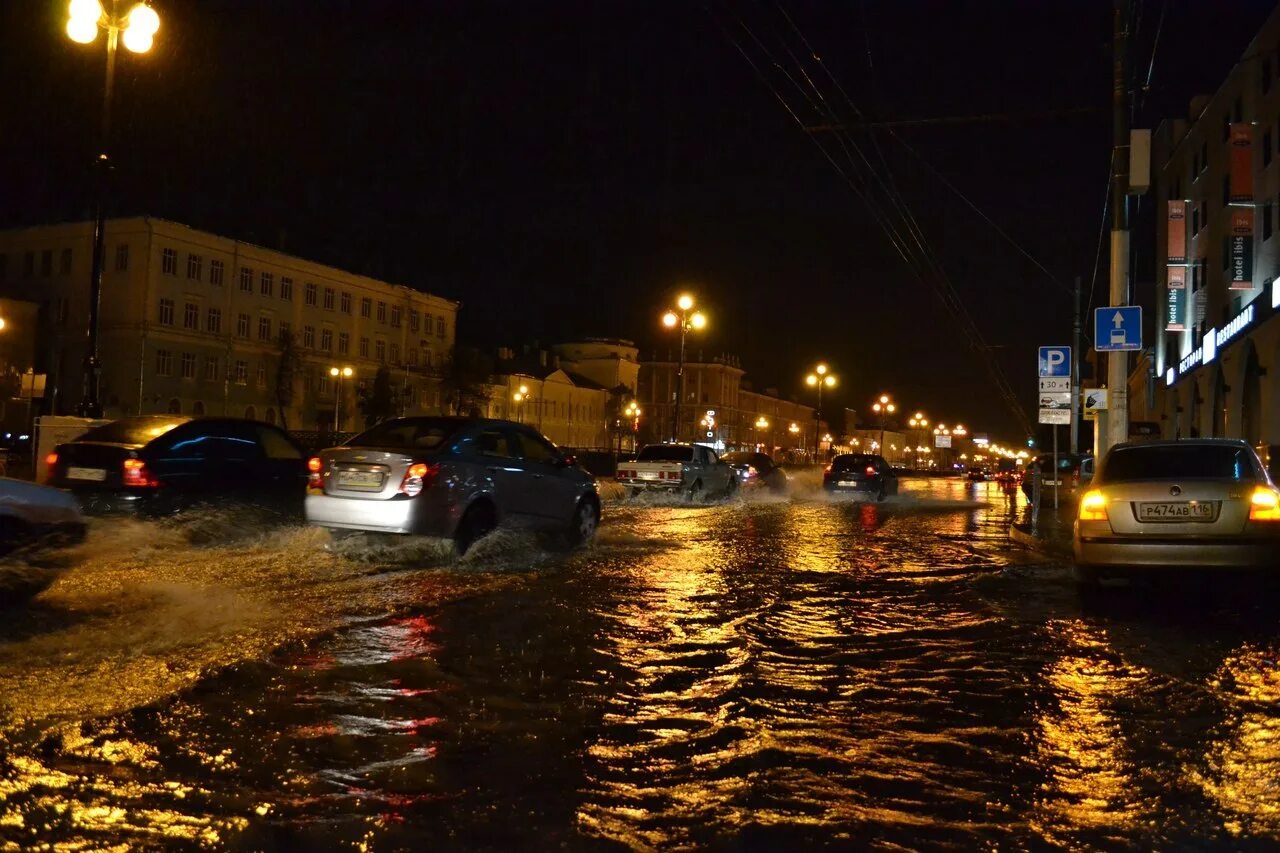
<point>741,458</point>
<point>1191,462</point>
<point>665,453</point>
<point>410,434</point>
<point>132,430</point>
<point>848,463</point>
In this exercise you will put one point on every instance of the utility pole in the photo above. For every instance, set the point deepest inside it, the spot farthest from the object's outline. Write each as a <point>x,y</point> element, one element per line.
<point>1117,419</point>
<point>1075,375</point>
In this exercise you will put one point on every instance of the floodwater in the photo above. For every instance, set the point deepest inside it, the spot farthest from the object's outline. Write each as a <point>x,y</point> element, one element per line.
<point>767,672</point>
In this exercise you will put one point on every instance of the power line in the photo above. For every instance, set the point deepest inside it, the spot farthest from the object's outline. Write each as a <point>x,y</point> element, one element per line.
<point>958,119</point>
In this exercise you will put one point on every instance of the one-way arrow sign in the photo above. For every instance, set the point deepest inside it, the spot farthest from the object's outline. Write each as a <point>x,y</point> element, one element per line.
<point>1117,328</point>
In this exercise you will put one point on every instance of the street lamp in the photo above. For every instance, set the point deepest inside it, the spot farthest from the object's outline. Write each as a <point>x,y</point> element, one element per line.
<point>883,408</point>
<point>139,27</point>
<point>633,414</point>
<point>686,322</point>
<point>520,397</point>
<point>919,422</point>
<point>338,375</point>
<point>819,379</point>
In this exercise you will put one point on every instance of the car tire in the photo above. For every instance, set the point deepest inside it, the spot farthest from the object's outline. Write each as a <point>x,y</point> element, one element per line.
<point>731,488</point>
<point>695,491</point>
<point>586,521</point>
<point>476,522</point>
<point>632,493</point>
<point>881,494</point>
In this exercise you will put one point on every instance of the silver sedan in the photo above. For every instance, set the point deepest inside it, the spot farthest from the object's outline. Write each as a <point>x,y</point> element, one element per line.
<point>1194,503</point>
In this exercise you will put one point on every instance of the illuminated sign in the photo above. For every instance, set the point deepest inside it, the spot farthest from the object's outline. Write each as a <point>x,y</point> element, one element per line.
<point>1213,340</point>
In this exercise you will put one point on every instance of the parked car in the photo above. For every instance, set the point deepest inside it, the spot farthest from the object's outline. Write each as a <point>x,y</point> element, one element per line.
<point>34,515</point>
<point>456,478</point>
<point>691,469</point>
<point>1192,503</point>
<point>160,464</point>
<point>756,470</point>
<point>1075,471</point>
<point>860,472</point>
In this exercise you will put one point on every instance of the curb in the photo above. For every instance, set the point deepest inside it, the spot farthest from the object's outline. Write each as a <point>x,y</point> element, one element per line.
<point>1039,543</point>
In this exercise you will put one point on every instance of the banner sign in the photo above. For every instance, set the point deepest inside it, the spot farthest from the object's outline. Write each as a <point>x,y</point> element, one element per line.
<point>1177,232</point>
<point>1241,163</point>
<point>1176,309</point>
<point>1241,248</point>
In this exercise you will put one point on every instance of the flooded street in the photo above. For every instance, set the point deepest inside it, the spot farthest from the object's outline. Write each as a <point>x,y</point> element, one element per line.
<point>773,671</point>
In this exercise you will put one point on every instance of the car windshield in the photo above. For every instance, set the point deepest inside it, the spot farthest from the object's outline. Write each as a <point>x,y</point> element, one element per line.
<point>409,434</point>
<point>1188,462</point>
<point>741,457</point>
<point>665,453</point>
<point>848,463</point>
<point>132,430</point>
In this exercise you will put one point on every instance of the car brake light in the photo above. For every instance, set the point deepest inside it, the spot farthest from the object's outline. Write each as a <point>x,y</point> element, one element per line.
<point>418,478</point>
<point>135,474</point>
<point>314,480</point>
<point>871,469</point>
<point>827,470</point>
<point>51,459</point>
<point>1093,506</point>
<point>751,471</point>
<point>1264,504</point>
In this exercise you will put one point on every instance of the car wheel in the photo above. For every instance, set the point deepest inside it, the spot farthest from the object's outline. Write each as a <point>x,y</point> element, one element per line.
<point>731,488</point>
<point>14,533</point>
<point>586,520</point>
<point>633,493</point>
<point>477,522</point>
<point>695,491</point>
<point>881,494</point>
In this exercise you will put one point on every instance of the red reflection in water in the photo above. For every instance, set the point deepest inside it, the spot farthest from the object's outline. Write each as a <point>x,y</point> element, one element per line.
<point>869,515</point>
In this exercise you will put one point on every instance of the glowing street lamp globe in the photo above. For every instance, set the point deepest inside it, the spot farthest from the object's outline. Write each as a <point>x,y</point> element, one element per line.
<point>670,319</point>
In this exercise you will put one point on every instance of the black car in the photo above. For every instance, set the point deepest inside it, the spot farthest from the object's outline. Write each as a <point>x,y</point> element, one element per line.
<point>159,464</point>
<point>860,472</point>
<point>756,470</point>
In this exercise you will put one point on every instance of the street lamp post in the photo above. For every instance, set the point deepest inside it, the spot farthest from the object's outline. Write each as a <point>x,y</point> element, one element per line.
<point>762,425</point>
<point>633,414</point>
<point>520,396</point>
<point>686,322</point>
<point>883,407</point>
<point>338,375</point>
<point>918,422</point>
<point>139,26</point>
<point>819,379</point>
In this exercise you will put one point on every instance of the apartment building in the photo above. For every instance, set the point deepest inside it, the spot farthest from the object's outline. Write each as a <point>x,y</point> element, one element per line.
<point>196,323</point>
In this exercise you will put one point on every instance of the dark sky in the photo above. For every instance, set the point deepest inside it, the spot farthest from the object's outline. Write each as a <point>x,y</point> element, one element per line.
<point>565,168</point>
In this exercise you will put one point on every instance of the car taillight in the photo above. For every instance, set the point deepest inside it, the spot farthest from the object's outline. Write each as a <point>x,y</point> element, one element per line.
<point>135,474</point>
<point>417,478</point>
<point>1264,504</point>
<point>751,471</point>
<point>1093,506</point>
<point>827,470</point>
<point>51,459</point>
<point>314,480</point>
<point>871,469</point>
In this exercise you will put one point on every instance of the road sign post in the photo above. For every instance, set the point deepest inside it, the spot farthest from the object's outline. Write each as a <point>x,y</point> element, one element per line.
<point>1056,397</point>
<point>1117,328</point>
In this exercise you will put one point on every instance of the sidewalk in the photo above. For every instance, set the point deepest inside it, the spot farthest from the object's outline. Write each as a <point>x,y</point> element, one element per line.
<point>1050,532</point>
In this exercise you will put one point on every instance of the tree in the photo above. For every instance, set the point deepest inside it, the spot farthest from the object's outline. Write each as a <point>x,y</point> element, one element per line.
<point>466,381</point>
<point>378,402</point>
<point>290,362</point>
<point>616,421</point>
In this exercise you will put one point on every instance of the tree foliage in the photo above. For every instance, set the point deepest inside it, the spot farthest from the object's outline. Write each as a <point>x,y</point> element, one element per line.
<point>466,381</point>
<point>289,362</point>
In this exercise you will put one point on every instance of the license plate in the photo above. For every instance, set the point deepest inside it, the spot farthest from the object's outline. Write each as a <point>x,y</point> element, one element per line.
<point>95,474</point>
<point>854,483</point>
<point>648,475</point>
<point>360,479</point>
<point>1182,511</point>
<point>1051,483</point>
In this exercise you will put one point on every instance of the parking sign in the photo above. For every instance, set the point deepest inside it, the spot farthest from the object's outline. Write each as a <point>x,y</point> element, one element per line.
<point>1055,361</point>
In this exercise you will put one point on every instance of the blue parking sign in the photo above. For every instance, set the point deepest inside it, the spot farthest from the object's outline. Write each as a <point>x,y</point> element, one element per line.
<point>1117,328</point>
<point>1055,361</point>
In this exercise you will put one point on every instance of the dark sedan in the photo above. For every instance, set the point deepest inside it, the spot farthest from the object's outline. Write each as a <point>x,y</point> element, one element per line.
<point>159,464</point>
<point>756,470</point>
<point>860,472</point>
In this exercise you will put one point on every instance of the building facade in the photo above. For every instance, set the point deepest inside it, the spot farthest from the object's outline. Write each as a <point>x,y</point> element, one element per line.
<point>1215,367</point>
<point>196,323</point>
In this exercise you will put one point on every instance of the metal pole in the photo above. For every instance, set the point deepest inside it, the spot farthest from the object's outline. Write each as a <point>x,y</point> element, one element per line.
<point>91,404</point>
<point>675,415</point>
<point>1056,475</point>
<point>1118,362</point>
<point>817,424</point>
<point>1075,375</point>
<point>337,405</point>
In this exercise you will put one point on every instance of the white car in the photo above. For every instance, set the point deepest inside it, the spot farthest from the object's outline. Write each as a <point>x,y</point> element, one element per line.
<point>37,515</point>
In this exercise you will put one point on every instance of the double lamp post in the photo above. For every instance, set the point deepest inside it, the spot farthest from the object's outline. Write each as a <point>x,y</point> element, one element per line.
<point>820,378</point>
<point>686,320</point>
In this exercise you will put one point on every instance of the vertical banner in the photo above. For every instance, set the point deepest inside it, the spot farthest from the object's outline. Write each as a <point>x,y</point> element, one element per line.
<point>1241,164</point>
<point>1177,231</point>
<point>1241,248</point>
<point>1175,318</point>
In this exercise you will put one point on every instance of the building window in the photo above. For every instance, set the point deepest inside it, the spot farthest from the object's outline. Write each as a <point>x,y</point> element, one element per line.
<point>164,362</point>
<point>286,331</point>
<point>323,384</point>
<point>395,353</point>
<point>242,372</point>
<point>345,303</point>
<point>309,337</point>
<point>211,368</point>
<point>286,288</point>
<point>413,320</point>
<point>188,365</point>
<point>29,264</point>
<point>122,257</point>
<point>380,350</point>
<point>242,326</point>
<point>1266,221</point>
<point>195,266</point>
<point>344,343</point>
<point>326,340</point>
<point>262,374</point>
<point>267,283</point>
<point>264,328</point>
<point>246,279</point>
<point>166,312</point>
<point>215,272</point>
<point>395,316</point>
<point>440,329</point>
<point>328,299</point>
<point>191,316</point>
<point>213,321</point>
<point>366,305</point>
<point>169,262</point>
<point>64,262</point>
<point>382,312</point>
<point>413,356</point>
<point>46,263</point>
<point>311,293</point>
<point>364,347</point>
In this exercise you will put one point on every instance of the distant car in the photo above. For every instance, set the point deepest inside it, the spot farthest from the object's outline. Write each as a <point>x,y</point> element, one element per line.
<point>457,478</point>
<point>689,469</point>
<point>977,475</point>
<point>160,464</point>
<point>34,515</point>
<point>860,472</point>
<point>1074,472</point>
<point>756,470</point>
<point>1193,503</point>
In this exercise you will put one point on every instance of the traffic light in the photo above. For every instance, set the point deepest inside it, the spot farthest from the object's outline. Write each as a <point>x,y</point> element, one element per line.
<point>1031,442</point>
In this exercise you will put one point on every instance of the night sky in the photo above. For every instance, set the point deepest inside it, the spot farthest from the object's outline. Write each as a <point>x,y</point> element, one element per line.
<point>565,169</point>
